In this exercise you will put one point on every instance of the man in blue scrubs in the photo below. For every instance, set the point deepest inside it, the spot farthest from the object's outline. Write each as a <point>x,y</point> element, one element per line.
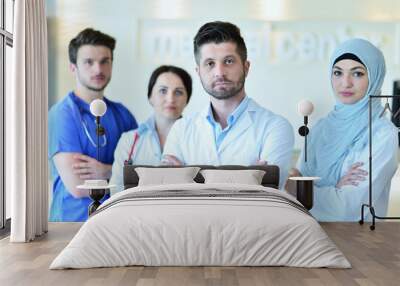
<point>72,129</point>
<point>233,128</point>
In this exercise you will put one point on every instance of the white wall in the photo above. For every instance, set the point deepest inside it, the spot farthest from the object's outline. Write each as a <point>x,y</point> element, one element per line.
<point>289,44</point>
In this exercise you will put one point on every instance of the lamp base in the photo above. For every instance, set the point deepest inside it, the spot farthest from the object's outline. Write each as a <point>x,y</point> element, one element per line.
<point>96,195</point>
<point>305,190</point>
<point>305,193</point>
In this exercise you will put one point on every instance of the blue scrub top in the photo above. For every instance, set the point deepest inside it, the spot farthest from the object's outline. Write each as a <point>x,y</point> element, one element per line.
<point>67,134</point>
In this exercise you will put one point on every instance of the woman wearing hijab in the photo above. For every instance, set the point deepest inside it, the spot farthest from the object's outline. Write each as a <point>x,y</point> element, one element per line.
<point>169,91</point>
<point>339,145</point>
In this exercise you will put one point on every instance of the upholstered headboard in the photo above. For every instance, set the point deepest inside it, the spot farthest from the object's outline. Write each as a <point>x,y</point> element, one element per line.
<point>270,179</point>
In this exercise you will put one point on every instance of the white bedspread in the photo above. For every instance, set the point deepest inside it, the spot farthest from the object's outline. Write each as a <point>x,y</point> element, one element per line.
<point>201,230</point>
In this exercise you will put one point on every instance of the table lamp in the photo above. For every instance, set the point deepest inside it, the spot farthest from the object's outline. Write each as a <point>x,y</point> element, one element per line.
<point>305,108</point>
<point>304,185</point>
<point>98,108</point>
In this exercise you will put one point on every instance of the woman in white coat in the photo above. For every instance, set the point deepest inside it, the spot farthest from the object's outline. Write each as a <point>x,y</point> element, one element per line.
<point>338,149</point>
<point>169,91</point>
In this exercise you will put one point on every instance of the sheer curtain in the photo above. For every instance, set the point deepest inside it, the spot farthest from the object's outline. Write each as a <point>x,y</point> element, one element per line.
<point>26,124</point>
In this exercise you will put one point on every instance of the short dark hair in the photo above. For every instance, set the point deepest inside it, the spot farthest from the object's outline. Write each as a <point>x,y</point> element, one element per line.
<point>181,73</point>
<point>219,32</point>
<point>92,37</point>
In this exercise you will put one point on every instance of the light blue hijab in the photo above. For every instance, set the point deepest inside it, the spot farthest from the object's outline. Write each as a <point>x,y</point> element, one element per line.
<point>346,126</point>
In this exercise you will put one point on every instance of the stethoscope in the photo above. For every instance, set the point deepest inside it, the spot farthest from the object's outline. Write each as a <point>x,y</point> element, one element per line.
<point>135,139</point>
<point>101,132</point>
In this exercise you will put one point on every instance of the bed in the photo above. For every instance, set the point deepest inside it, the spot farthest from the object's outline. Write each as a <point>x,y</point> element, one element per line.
<point>201,224</point>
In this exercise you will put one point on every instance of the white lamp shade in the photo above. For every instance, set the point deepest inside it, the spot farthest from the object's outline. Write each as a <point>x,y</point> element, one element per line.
<point>305,107</point>
<point>98,107</point>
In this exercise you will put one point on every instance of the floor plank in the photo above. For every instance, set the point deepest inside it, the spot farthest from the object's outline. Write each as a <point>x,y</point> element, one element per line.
<point>374,255</point>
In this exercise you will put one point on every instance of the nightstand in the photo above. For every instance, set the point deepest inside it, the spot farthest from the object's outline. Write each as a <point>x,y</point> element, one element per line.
<point>305,190</point>
<point>96,193</point>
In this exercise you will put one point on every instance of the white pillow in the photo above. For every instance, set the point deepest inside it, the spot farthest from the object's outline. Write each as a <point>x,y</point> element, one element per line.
<point>248,177</point>
<point>166,176</point>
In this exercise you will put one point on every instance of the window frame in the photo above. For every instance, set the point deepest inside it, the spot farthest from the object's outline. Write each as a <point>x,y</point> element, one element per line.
<point>6,39</point>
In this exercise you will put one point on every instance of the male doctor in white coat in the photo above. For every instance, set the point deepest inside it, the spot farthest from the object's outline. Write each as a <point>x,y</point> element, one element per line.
<point>233,129</point>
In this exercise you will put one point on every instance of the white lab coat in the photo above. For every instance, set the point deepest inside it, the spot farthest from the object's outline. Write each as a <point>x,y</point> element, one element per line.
<point>257,134</point>
<point>147,151</point>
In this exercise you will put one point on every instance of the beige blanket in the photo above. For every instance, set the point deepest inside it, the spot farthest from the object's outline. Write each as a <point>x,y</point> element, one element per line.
<point>201,224</point>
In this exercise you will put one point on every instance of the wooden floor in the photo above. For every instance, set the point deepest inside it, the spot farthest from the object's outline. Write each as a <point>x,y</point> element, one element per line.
<point>374,255</point>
